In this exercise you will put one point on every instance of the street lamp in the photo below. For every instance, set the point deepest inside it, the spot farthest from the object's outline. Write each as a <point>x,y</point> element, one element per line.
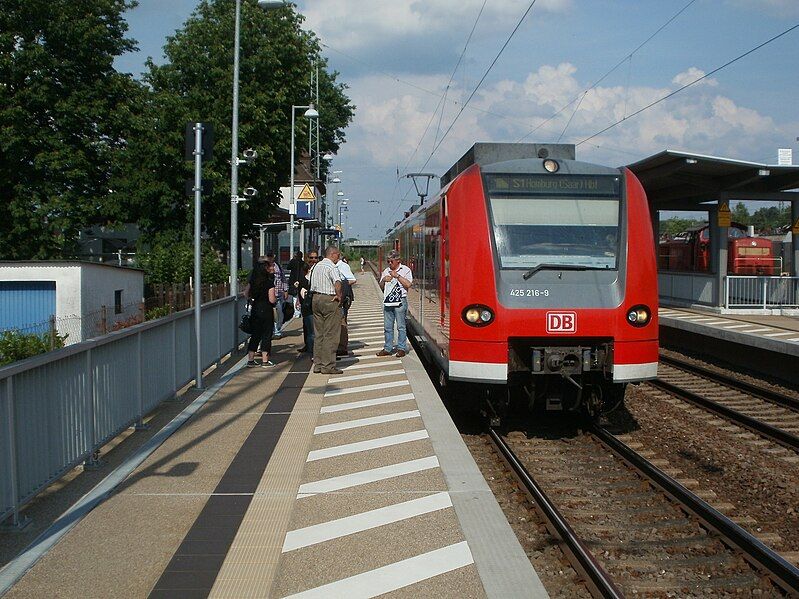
<point>341,209</point>
<point>234,148</point>
<point>310,113</point>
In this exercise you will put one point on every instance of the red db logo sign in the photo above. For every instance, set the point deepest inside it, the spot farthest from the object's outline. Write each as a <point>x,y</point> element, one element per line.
<point>561,322</point>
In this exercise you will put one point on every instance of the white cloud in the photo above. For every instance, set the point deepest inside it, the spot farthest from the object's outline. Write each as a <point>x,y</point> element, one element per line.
<point>351,24</point>
<point>691,75</point>
<point>391,121</point>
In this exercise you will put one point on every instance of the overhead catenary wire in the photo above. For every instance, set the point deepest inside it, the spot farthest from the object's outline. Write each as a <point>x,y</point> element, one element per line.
<point>687,85</point>
<point>441,104</point>
<point>581,96</point>
<point>480,83</point>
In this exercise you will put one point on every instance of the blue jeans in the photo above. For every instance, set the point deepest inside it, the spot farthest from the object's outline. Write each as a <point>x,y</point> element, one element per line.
<point>390,316</point>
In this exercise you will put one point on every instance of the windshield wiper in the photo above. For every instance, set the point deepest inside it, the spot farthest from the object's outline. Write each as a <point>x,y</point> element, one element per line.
<point>534,270</point>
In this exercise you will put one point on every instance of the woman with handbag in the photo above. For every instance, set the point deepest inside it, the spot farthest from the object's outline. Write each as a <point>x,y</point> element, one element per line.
<point>260,294</point>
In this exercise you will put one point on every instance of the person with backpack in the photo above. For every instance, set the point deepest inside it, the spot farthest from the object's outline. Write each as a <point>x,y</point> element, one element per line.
<point>347,297</point>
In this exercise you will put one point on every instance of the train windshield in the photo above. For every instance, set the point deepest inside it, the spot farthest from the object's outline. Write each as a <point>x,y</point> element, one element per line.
<point>532,229</point>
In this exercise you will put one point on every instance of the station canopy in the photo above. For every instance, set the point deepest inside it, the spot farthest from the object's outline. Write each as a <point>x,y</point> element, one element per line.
<point>681,180</point>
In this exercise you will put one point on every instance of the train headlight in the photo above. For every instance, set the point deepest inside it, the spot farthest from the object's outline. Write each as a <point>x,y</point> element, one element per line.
<point>639,316</point>
<point>551,166</point>
<point>477,315</point>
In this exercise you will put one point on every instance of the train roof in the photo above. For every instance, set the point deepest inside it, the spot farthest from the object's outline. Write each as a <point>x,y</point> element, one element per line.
<point>485,154</point>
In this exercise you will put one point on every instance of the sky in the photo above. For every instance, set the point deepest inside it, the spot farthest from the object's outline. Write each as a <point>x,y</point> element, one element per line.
<point>554,81</point>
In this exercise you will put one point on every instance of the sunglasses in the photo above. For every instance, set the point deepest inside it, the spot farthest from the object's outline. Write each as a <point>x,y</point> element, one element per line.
<point>313,258</point>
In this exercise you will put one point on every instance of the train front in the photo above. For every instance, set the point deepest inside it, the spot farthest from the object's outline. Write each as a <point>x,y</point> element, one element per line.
<point>561,300</point>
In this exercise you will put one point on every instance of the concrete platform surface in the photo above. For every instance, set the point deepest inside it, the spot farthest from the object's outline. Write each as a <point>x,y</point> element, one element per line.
<point>287,483</point>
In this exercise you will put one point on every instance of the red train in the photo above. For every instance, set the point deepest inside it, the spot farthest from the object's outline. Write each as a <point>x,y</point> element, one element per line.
<point>690,251</point>
<point>535,276</point>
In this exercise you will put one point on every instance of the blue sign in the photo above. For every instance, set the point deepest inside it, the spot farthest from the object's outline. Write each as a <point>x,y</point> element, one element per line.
<point>305,209</point>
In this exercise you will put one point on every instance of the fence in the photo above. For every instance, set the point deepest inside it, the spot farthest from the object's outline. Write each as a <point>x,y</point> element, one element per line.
<point>762,292</point>
<point>57,409</point>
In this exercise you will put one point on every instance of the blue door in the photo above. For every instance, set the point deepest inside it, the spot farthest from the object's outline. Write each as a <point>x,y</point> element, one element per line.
<point>27,305</point>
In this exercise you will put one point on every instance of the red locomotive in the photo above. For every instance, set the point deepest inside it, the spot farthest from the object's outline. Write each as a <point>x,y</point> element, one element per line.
<point>690,251</point>
<point>535,276</point>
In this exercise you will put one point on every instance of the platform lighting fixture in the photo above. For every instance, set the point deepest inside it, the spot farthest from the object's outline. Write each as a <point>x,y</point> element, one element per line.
<point>336,180</point>
<point>328,156</point>
<point>310,113</point>
<point>266,5</point>
<point>763,172</point>
<point>691,161</point>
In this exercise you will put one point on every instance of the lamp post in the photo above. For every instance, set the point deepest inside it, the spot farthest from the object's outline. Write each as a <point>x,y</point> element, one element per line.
<point>341,209</point>
<point>310,113</point>
<point>234,147</point>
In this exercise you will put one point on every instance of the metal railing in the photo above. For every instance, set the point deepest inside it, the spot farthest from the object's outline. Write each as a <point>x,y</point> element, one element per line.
<point>761,292</point>
<point>58,409</point>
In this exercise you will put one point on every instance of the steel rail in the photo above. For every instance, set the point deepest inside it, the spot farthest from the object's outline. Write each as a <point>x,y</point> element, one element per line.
<point>779,569</point>
<point>598,580</point>
<point>761,428</point>
<point>781,399</point>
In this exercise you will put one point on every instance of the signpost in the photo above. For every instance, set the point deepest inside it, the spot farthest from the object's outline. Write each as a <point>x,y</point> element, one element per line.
<point>202,136</point>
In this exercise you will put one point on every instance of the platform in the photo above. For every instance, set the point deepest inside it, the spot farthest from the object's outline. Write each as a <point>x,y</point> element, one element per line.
<point>286,483</point>
<point>767,344</point>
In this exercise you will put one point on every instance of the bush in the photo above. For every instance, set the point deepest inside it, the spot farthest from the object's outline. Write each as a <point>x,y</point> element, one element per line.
<point>18,346</point>
<point>154,313</point>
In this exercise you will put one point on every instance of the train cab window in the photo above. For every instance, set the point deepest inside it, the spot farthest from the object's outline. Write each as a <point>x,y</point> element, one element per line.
<point>533,230</point>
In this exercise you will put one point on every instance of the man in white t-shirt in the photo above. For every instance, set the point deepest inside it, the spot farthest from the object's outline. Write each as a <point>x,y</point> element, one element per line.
<point>346,275</point>
<point>396,274</point>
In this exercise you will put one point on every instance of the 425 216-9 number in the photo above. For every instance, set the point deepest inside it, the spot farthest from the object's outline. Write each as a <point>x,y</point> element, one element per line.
<point>529,292</point>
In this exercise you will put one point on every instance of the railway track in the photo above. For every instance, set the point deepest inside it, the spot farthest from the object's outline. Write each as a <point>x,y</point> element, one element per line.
<point>768,413</point>
<point>630,530</point>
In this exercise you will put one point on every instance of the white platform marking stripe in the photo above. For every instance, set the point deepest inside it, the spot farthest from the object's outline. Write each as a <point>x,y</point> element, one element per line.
<point>337,483</point>
<point>362,357</point>
<point>760,330</point>
<point>371,337</point>
<point>780,334</point>
<point>367,388</point>
<point>312,535</point>
<point>382,364</point>
<point>360,377</point>
<point>353,405</point>
<point>737,326</point>
<point>343,426</point>
<point>350,448</point>
<point>394,576</point>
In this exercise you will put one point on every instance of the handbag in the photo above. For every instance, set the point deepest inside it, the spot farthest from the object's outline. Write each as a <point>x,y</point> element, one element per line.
<point>392,294</point>
<point>245,325</point>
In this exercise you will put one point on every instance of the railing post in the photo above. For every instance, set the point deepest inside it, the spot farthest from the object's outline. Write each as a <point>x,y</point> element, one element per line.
<point>219,309</point>
<point>94,461</point>
<point>727,293</point>
<point>18,522</point>
<point>140,426</point>
<point>765,291</point>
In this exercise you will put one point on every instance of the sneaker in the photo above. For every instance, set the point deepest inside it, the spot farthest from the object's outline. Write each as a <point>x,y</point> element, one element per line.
<point>317,369</point>
<point>277,335</point>
<point>333,371</point>
<point>400,353</point>
<point>342,353</point>
<point>251,363</point>
<point>267,364</point>
<point>383,352</point>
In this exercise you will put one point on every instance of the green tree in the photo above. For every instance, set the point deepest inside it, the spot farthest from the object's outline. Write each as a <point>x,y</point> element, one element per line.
<point>767,219</point>
<point>65,115</point>
<point>740,214</point>
<point>195,84</point>
<point>674,225</point>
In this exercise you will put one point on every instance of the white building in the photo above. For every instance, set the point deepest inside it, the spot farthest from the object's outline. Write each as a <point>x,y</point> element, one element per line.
<point>81,299</point>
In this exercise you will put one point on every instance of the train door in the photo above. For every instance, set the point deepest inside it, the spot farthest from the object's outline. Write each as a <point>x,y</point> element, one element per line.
<point>444,271</point>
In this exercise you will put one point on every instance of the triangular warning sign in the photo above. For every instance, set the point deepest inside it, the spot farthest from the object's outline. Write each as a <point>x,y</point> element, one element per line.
<point>724,207</point>
<point>795,227</point>
<point>306,193</point>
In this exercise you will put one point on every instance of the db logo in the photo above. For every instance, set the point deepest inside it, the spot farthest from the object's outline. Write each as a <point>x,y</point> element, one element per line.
<point>561,322</point>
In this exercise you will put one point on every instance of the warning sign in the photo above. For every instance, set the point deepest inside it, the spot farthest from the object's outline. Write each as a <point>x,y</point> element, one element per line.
<point>725,217</point>
<point>306,193</point>
<point>795,227</point>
